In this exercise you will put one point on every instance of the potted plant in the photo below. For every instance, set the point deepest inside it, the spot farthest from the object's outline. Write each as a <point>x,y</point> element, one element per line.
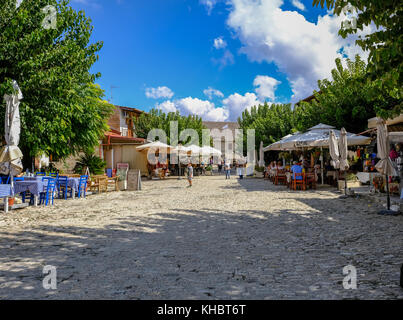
<point>259,171</point>
<point>94,163</point>
<point>209,170</point>
<point>11,201</point>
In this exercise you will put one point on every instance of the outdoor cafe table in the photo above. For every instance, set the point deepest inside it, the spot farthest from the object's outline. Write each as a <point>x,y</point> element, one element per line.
<point>34,185</point>
<point>5,192</point>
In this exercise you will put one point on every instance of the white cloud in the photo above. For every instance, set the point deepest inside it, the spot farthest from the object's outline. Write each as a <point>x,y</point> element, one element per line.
<point>209,4</point>
<point>232,107</point>
<point>211,93</point>
<point>236,104</point>
<point>220,43</point>
<point>298,4</point>
<point>158,93</point>
<point>266,87</point>
<point>195,106</point>
<point>226,59</point>
<point>303,50</point>
<point>167,106</point>
<point>217,114</point>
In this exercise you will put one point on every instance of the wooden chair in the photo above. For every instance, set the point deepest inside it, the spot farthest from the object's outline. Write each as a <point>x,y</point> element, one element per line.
<point>114,182</point>
<point>311,180</point>
<point>299,182</point>
<point>280,177</point>
<point>99,183</point>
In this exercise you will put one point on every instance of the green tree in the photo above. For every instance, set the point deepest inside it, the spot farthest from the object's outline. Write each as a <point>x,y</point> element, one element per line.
<point>62,111</point>
<point>344,101</point>
<point>385,45</point>
<point>157,119</point>
<point>271,122</point>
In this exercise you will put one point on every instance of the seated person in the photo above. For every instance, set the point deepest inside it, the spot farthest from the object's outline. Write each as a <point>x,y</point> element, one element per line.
<point>280,166</point>
<point>296,168</point>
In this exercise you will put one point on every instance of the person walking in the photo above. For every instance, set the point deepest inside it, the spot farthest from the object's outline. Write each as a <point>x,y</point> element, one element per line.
<point>190,174</point>
<point>227,168</point>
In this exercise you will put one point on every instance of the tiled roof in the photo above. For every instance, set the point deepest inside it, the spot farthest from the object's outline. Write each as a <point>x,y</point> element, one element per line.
<point>130,109</point>
<point>116,136</point>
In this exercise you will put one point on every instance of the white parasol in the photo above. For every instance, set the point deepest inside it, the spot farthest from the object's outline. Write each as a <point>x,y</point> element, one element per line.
<point>261,155</point>
<point>334,150</point>
<point>10,154</point>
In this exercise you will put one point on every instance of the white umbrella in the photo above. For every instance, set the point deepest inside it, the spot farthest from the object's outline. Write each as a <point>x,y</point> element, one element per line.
<point>385,165</point>
<point>343,149</point>
<point>193,149</point>
<point>261,155</point>
<point>317,136</point>
<point>10,154</point>
<point>334,150</point>
<point>156,145</point>
<point>207,150</point>
<point>153,148</point>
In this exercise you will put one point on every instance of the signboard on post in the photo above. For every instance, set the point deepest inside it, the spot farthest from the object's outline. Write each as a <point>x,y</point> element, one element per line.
<point>134,180</point>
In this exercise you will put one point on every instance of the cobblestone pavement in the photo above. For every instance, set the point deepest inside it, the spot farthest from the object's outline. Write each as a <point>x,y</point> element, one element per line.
<point>220,239</point>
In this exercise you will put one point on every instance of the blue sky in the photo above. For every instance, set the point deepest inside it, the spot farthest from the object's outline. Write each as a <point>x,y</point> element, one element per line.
<point>213,58</point>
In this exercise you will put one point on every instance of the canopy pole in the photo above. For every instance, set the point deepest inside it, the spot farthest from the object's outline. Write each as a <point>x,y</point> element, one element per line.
<point>321,165</point>
<point>387,192</point>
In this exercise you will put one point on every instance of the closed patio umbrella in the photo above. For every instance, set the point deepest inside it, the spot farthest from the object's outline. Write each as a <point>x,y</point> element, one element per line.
<point>385,165</point>
<point>261,155</point>
<point>343,149</point>
<point>334,150</point>
<point>10,154</point>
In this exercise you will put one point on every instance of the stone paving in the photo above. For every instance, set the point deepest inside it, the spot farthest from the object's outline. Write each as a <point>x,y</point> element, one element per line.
<point>220,239</point>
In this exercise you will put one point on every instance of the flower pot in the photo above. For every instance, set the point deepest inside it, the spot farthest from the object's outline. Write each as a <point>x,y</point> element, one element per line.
<point>11,201</point>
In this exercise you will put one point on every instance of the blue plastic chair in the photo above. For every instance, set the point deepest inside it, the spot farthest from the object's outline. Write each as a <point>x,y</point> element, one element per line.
<point>62,187</point>
<point>82,186</point>
<point>5,180</point>
<point>23,194</point>
<point>48,195</point>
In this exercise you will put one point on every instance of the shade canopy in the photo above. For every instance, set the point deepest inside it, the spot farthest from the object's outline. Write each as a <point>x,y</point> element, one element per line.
<point>207,150</point>
<point>155,146</point>
<point>10,154</point>
<point>385,165</point>
<point>317,136</point>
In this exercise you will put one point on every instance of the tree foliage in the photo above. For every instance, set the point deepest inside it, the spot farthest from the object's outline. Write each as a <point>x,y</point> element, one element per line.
<point>271,122</point>
<point>385,45</point>
<point>344,101</point>
<point>157,119</point>
<point>62,112</point>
